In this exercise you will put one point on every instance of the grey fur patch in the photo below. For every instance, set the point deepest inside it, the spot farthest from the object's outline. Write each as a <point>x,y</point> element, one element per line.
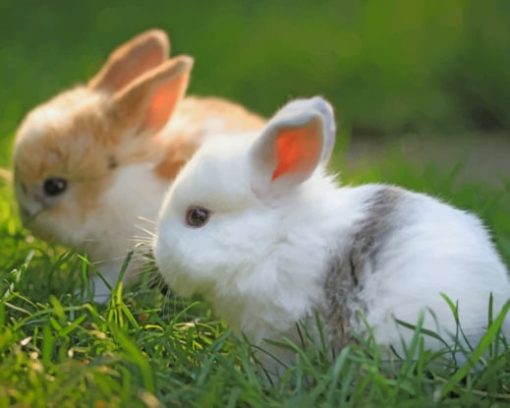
<point>347,269</point>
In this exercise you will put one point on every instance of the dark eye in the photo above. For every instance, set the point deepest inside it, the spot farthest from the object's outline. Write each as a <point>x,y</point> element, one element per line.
<point>197,216</point>
<point>54,186</point>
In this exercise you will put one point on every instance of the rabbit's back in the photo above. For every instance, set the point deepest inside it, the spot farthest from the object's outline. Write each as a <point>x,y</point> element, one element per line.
<point>403,253</point>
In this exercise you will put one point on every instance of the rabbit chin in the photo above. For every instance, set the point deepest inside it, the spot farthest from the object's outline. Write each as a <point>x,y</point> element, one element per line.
<point>59,228</point>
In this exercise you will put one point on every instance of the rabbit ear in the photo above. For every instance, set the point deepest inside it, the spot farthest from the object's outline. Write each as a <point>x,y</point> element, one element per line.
<point>298,138</point>
<point>147,103</point>
<point>132,59</point>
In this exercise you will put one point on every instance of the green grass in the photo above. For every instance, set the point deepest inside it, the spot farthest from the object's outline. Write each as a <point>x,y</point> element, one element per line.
<point>145,349</point>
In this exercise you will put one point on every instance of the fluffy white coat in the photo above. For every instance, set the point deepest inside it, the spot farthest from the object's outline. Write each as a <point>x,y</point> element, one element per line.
<point>262,257</point>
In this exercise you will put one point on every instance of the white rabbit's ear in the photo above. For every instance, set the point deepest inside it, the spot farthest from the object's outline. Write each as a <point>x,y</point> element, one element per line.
<point>298,138</point>
<point>147,103</point>
<point>132,59</point>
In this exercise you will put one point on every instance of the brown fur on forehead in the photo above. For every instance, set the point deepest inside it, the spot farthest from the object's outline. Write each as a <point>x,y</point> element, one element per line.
<point>71,136</point>
<point>68,136</point>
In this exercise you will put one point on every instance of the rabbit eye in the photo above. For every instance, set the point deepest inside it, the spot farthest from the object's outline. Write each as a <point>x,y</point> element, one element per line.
<point>54,186</point>
<point>197,217</point>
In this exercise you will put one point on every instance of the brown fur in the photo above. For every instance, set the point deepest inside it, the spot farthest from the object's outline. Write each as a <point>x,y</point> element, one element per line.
<point>132,59</point>
<point>188,130</point>
<point>73,144</point>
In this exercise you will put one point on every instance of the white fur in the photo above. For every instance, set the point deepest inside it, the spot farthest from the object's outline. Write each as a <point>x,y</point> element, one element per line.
<point>128,210</point>
<point>261,258</point>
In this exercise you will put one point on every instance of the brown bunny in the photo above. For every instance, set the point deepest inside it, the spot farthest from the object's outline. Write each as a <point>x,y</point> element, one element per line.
<point>95,160</point>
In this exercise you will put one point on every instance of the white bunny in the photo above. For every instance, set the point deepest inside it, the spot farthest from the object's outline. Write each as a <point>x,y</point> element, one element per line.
<point>269,239</point>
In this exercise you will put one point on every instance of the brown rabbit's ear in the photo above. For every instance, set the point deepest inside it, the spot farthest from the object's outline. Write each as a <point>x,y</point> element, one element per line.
<point>149,101</point>
<point>132,59</point>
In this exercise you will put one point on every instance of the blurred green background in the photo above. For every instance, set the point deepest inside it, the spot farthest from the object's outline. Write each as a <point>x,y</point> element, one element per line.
<point>390,67</point>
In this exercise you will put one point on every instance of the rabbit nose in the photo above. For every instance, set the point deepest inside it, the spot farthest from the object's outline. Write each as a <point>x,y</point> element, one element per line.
<point>30,200</point>
<point>24,213</point>
<point>29,209</point>
<point>21,189</point>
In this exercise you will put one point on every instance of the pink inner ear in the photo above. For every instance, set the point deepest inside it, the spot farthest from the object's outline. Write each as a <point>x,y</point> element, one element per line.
<point>164,101</point>
<point>297,149</point>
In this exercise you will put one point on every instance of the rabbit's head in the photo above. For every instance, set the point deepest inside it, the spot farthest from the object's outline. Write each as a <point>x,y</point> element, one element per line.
<point>68,150</point>
<point>231,206</point>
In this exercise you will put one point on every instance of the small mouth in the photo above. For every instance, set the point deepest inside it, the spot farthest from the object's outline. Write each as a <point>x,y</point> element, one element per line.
<point>24,215</point>
<point>27,217</point>
<point>29,207</point>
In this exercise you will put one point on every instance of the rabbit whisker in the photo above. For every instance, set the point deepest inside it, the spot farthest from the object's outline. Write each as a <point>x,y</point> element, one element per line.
<point>147,220</point>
